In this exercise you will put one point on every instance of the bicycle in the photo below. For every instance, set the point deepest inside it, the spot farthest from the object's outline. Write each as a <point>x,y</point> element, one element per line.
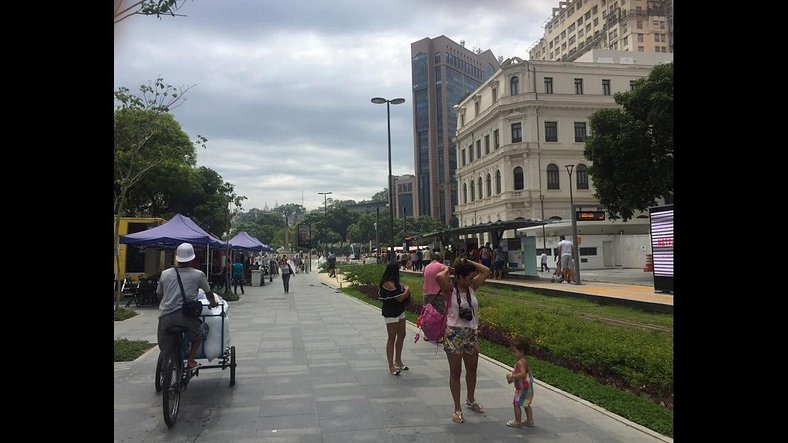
<point>173,377</point>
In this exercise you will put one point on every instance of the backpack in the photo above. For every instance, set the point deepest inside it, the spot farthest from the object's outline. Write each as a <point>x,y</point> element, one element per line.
<point>432,322</point>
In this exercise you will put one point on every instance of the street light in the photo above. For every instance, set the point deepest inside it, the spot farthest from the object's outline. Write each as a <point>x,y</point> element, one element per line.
<point>575,253</point>
<point>325,216</point>
<point>396,101</point>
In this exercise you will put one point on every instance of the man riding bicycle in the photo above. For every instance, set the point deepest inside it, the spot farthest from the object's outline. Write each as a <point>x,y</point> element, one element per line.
<point>170,313</point>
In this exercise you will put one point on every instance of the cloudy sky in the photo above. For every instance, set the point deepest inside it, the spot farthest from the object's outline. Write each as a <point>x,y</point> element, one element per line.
<point>282,88</point>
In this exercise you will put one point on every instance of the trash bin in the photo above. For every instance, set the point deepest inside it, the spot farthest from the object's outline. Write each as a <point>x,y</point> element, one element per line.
<point>256,277</point>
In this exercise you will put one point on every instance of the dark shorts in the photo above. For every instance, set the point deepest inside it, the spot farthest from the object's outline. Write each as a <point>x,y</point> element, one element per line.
<point>499,265</point>
<point>193,324</point>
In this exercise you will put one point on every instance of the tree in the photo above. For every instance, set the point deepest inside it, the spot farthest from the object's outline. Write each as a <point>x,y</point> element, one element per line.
<point>382,196</point>
<point>145,136</point>
<point>146,7</point>
<point>632,148</point>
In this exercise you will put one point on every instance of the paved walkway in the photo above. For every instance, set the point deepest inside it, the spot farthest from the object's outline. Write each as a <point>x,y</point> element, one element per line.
<point>312,368</point>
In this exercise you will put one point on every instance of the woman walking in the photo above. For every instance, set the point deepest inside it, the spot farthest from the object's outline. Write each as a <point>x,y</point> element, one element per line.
<point>394,297</point>
<point>461,342</point>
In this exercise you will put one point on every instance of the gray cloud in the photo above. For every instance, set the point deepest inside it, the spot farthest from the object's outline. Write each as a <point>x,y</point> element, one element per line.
<point>282,89</point>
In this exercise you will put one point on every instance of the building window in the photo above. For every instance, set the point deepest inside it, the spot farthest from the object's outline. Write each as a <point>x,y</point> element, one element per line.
<point>517,133</point>
<point>580,131</point>
<point>518,178</point>
<point>463,156</point>
<point>496,141</point>
<point>465,192</point>
<point>632,85</point>
<point>495,95</point>
<point>582,177</point>
<point>473,191</point>
<point>548,85</point>
<point>462,119</point>
<point>605,87</point>
<point>476,108</point>
<point>640,24</point>
<point>553,179</point>
<point>656,37</point>
<point>640,49</point>
<point>480,188</point>
<point>497,182</point>
<point>470,153</point>
<point>579,86</point>
<point>489,185</point>
<point>479,148</point>
<point>640,38</point>
<point>551,131</point>
<point>487,144</point>
<point>514,85</point>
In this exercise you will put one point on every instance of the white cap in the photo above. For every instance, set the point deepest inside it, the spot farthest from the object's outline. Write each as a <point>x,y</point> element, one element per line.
<point>185,253</point>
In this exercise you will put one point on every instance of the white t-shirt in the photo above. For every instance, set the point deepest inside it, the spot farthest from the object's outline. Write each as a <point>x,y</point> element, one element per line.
<point>453,314</point>
<point>565,246</point>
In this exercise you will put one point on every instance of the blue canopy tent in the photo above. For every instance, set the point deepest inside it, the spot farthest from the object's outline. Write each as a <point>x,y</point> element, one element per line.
<point>242,240</point>
<point>179,229</point>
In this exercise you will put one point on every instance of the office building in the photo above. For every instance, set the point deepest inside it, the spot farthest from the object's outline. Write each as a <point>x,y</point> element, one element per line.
<point>443,73</point>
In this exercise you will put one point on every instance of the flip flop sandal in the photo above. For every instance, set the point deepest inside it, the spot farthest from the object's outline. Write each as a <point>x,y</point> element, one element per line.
<point>457,417</point>
<point>475,406</point>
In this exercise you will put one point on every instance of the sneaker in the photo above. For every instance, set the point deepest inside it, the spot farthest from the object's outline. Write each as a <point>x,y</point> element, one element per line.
<point>529,424</point>
<point>514,424</point>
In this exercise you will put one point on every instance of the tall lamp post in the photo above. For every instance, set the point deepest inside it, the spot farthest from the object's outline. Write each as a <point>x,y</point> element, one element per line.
<point>325,217</point>
<point>395,101</point>
<point>575,251</point>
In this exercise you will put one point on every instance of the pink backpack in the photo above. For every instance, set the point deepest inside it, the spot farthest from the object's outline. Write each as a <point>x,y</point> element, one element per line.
<point>432,322</point>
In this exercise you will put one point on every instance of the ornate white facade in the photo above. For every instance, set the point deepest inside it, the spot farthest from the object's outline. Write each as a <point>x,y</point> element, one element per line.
<point>503,177</point>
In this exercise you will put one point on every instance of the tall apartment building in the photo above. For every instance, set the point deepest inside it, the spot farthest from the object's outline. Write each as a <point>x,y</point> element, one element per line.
<point>443,73</point>
<point>519,131</point>
<point>577,26</point>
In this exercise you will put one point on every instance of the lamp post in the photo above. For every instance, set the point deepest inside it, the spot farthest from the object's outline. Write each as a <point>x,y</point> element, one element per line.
<point>325,217</point>
<point>396,101</point>
<point>287,228</point>
<point>575,251</point>
<point>377,241</point>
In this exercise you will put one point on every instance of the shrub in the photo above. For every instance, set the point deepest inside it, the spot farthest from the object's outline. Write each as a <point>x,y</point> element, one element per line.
<point>128,350</point>
<point>122,313</point>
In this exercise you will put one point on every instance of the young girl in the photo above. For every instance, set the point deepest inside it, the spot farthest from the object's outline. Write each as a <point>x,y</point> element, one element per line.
<point>395,298</point>
<point>523,386</point>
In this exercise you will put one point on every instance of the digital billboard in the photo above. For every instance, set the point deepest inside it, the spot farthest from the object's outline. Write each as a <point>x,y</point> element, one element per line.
<point>661,224</point>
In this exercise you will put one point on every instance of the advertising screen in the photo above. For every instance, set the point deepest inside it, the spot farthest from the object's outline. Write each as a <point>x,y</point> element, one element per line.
<point>662,246</point>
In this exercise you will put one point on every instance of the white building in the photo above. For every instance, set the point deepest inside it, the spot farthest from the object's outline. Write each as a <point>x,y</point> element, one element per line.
<point>521,132</point>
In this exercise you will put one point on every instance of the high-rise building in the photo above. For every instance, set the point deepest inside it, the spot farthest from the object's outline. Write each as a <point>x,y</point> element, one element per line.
<point>578,26</point>
<point>443,73</point>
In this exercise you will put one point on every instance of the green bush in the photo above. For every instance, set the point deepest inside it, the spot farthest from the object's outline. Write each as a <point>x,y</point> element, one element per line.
<point>230,296</point>
<point>128,350</point>
<point>122,313</point>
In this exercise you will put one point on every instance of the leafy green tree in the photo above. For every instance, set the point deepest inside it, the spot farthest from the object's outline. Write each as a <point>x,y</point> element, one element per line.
<point>382,196</point>
<point>145,136</point>
<point>146,7</point>
<point>632,148</point>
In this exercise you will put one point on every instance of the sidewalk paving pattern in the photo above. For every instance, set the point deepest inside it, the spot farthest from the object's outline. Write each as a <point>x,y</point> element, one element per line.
<point>312,368</point>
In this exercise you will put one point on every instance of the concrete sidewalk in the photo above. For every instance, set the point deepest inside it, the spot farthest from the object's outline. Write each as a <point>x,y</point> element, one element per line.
<point>312,367</point>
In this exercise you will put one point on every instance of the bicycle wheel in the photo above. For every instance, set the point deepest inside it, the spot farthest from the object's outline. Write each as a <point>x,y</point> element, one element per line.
<point>232,366</point>
<point>159,372</point>
<point>171,384</point>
